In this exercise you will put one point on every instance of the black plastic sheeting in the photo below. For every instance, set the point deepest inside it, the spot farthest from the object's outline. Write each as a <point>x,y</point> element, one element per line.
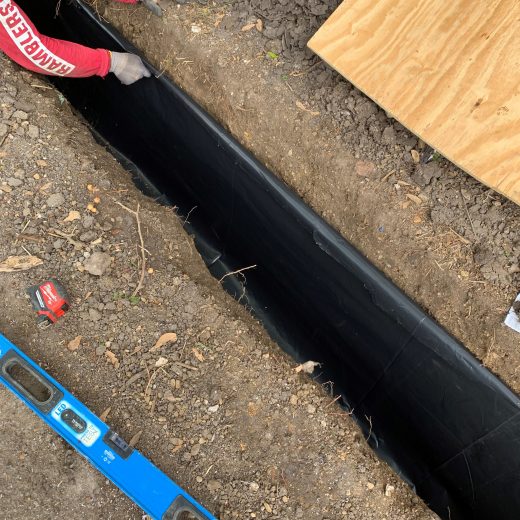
<point>447,425</point>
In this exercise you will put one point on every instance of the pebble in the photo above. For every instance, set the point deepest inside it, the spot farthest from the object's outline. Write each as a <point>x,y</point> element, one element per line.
<point>88,221</point>
<point>389,490</point>
<point>14,183</point>
<point>33,132</point>
<point>3,129</point>
<point>94,314</point>
<point>214,486</point>
<point>97,263</point>
<point>20,114</point>
<point>55,200</point>
<point>100,350</point>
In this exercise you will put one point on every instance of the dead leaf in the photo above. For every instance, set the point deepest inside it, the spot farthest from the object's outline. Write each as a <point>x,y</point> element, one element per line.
<point>301,106</point>
<point>104,415</point>
<point>219,19</point>
<point>161,362</point>
<point>248,27</point>
<point>14,264</point>
<point>73,215</point>
<point>177,448</point>
<point>259,25</point>
<point>198,354</point>
<point>135,439</point>
<point>112,358</point>
<point>415,156</point>
<point>414,198</point>
<point>169,337</point>
<point>74,344</point>
<point>307,367</point>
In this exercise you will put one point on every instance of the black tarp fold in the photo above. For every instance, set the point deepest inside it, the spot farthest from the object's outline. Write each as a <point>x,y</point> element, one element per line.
<point>445,423</point>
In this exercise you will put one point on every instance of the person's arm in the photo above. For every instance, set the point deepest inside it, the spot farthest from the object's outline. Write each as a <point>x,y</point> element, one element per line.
<point>22,42</point>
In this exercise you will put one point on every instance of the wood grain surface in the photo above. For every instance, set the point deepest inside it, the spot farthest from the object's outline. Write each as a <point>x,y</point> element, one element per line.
<point>449,70</point>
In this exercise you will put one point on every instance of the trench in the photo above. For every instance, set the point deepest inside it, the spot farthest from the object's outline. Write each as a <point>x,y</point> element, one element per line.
<point>448,426</point>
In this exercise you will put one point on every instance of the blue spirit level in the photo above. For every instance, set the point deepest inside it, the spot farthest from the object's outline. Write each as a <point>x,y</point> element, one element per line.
<point>134,474</point>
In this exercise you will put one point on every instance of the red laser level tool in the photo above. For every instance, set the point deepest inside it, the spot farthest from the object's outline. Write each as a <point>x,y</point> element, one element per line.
<point>49,299</point>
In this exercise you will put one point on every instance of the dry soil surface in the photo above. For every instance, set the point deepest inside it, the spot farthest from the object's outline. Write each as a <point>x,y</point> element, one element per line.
<point>221,408</point>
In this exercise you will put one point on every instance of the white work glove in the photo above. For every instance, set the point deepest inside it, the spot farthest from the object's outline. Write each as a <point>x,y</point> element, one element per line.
<point>128,67</point>
<point>153,6</point>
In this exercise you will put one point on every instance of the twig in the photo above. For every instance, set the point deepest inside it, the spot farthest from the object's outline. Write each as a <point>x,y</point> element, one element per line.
<point>333,401</point>
<point>369,419</point>
<point>387,175</point>
<point>60,234</point>
<point>237,271</point>
<point>186,221</point>
<point>462,239</point>
<point>467,213</point>
<point>135,213</point>
<point>184,365</point>
<point>3,139</point>
<point>45,87</point>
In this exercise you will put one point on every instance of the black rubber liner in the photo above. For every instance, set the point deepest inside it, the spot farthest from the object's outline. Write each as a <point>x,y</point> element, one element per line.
<point>446,424</point>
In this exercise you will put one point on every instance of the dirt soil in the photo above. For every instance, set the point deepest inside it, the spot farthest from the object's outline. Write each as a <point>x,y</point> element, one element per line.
<point>221,409</point>
<point>448,241</point>
<point>227,416</point>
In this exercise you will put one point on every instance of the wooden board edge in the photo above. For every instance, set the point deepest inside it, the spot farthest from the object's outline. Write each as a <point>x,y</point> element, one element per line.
<point>511,197</point>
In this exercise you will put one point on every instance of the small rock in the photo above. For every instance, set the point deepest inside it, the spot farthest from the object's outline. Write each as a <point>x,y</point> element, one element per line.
<point>3,129</point>
<point>88,236</point>
<point>101,350</point>
<point>365,168</point>
<point>195,450</point>
<point>370,486</point>
<point>213,409</point>
<point>25,106</point>
<point>88,221</point>
<point>389,136</point>
<point>20,114</point>
<point>33,132</point>
<point>293,400</point>
<point>94,314</point>
<point>97,263</point>
<point>14,183</point>
<point>55,200</point>
<point>311,409</point>
<point>253,486</point>
<point>389,490</point>
<point>214,486</point>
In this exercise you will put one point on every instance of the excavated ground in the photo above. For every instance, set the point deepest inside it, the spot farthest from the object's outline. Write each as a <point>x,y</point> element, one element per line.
<point>220,409</point>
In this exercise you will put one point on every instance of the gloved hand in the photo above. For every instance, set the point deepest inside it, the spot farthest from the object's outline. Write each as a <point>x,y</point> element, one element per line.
<point>153,6</point>
<point>128,67</point>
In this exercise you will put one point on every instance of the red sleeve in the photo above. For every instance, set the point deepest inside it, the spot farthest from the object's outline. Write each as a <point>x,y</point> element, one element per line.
<point>22,42</point>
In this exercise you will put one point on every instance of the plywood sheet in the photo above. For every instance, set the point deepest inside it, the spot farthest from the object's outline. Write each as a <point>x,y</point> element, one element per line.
<point>449,70</point>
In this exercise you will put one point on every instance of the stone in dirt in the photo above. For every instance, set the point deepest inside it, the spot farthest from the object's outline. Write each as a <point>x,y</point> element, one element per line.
<point>97,263</point>
<point>55,200</point>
